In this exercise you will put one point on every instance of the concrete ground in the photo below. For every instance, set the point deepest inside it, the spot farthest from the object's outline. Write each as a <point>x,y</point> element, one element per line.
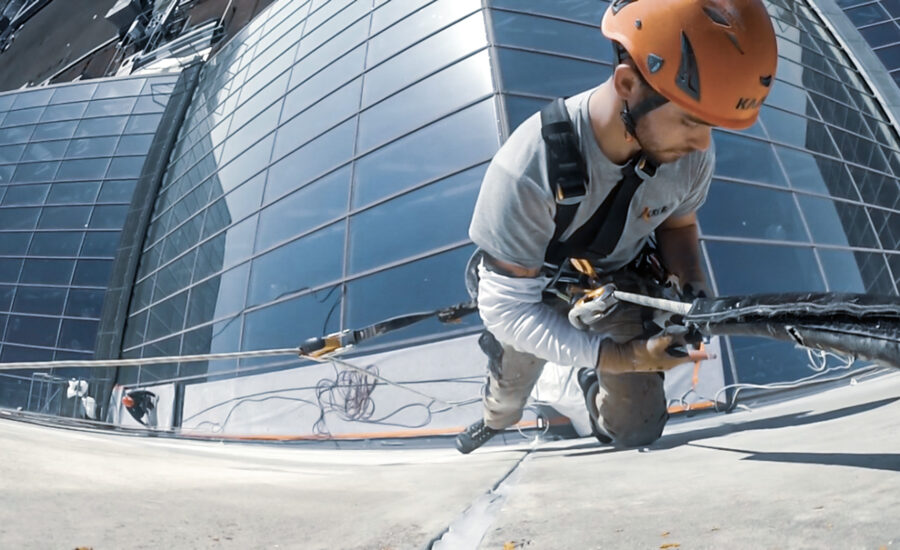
<point>820,471</point>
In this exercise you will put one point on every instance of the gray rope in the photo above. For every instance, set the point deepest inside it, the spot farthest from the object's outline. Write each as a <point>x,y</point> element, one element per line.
<point>103,363</point>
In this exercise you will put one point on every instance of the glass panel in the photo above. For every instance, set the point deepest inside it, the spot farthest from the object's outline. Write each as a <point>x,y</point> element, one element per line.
<point>25,116</point>
<point>34,331</point>
<point>732,152</point>
<point>587,11</point>
<point>225,250</point>
<point>753,268</point>
<point>13,244</point>
<point>838,223</point>
<point>19,218</point>
<point>20,134</point>
<point>48,272</point>
<point>84,169</point>
<point>64,217</point>
<point>305,263</point>
<point>323,115</point>
<point>293,215</point>
<point>85,303</point>
<point>434,216</point>
<point>877,188</point>
<point>143,124</point>
<point>92,272</point>
<point>175,276</point>
<point>866,15</point>
<point>35,172</point>
<point>117,191</point>
<point>417,26</point>
<point>17,354</point>
<point>887,225</point>
<point>52,130</point>
<point>518,109</point>
<point>77,334</point>
<point>467,138</point>
<point>68,111</point>
<point>108,217</point>
<point>119,87</point>
<point>11,153</point>
<point>92,147</point>
<point>134,145</point>
<point>285,324</point>
<point>108,126</point>
<point>737,210</point>
<point>411,288</point>
<point>117,106</point>
<point>25,195</point>
<point>527,73</point>
<point>64,94</point>
<point>844,271</point>
<point>102,243</point>
<point>45,150</point>
<point>76,192</point>
<point>6,298</point>
<point>432,98</point>
<point>552,36</point>
<point>762,361</point>
<point>218,297</point>
<point>167,317</point>
<point>418,61</point>
<point>310,161</point>
<point>323,82</point>
<point>55,244</point>
<point>125,167</point>
<point>817,174</point>
<point>42,300</point>
<point>9,270</point>
<point>246,165</point>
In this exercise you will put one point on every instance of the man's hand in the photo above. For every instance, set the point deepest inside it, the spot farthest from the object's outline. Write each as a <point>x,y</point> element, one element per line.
<point>659,353</point>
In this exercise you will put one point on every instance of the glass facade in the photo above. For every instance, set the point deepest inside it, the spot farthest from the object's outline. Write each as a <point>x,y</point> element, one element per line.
<point>326,171</point>
<point>325,174</point>
<point>879,23</point>
<point>318,139</point>
<point>70,156</point>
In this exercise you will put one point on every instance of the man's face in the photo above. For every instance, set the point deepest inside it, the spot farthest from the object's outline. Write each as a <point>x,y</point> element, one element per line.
<point>668,133</point>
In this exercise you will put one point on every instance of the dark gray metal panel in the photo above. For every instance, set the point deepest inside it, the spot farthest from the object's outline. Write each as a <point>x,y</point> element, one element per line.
<point>118,294</point>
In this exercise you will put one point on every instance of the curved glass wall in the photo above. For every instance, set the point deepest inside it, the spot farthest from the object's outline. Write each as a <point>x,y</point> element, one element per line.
<point>326,171</point>
<point>324,178</point>
<point>70,156</point>
<point>879,23</point>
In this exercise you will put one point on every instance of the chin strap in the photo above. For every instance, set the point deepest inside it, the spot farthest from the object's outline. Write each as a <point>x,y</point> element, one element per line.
<point>630,117</point>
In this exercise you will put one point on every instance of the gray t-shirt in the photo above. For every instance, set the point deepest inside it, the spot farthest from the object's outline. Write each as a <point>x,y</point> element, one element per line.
<point>513,218</point>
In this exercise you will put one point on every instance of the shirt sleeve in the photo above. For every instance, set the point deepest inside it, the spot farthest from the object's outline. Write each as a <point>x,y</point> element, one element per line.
<point>513,219</point>
<point>701,179</point>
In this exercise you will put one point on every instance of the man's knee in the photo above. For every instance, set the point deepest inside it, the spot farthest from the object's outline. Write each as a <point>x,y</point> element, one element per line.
<point>627,433</point>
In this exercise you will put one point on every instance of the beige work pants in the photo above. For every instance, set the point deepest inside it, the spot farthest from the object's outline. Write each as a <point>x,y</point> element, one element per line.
<point>630,408</point>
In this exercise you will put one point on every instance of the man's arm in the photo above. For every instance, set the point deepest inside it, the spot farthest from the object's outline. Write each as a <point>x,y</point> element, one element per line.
<point>679,246</point>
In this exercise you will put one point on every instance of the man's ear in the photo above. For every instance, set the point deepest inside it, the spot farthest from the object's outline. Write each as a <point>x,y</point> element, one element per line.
<point>627,82</point>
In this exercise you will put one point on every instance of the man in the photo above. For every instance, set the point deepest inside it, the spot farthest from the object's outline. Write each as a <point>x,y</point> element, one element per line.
<point>643,142</point>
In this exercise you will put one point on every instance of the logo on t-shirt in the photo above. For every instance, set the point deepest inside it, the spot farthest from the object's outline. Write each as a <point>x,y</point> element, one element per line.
<point>649,213</point>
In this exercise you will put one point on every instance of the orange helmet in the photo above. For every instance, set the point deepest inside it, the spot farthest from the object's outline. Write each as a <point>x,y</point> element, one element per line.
<point>714,58</point>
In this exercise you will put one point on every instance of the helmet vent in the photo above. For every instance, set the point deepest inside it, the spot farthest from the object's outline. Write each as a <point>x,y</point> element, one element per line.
<point>688,77</point>
<point>766,80</point>
<point>734,40</point>
<point>717,17</point>
<point>619,4</point>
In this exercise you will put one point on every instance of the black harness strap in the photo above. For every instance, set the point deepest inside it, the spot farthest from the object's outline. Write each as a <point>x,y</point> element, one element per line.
<point>567,174</point>
<point>566,169</point>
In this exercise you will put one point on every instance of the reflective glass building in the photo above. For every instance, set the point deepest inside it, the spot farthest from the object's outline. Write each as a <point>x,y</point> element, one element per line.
<point>70,157</point>
<point>325,172</point>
